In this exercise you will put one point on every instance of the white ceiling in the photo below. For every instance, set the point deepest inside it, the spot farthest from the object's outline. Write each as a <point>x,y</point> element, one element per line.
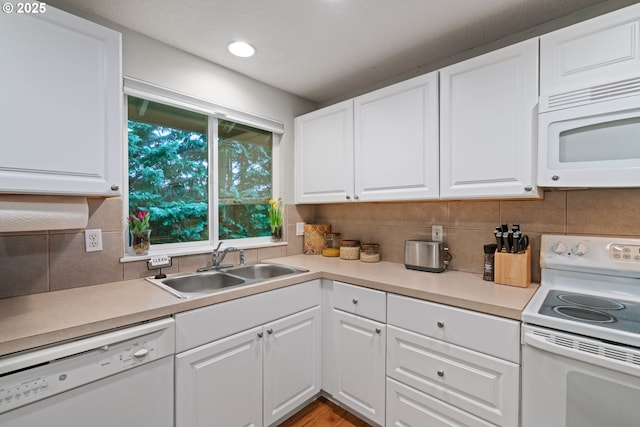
<point>322,49</point>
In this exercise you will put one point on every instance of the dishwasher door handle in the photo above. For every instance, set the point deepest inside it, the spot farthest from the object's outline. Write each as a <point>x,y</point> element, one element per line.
<point>141,353</point>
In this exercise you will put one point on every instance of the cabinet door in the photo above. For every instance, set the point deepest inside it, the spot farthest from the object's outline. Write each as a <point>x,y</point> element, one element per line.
<point>324,154</point>
<point>292,362</point>
<point>360,364</point>
<point>221,383</point>
<point>61,112</point>
<point>396,141</point>
<point>592,61</point>
<point>487,129</point>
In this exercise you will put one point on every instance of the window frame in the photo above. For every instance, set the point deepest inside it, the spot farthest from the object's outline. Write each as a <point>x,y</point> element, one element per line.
<point>140,89</point>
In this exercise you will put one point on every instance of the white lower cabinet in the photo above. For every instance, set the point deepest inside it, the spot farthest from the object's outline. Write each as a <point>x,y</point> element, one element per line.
<point>391,360</point>
<point>291,363</point>
<point>449,366</point>
<point>479,384</point>
<point>221,383</point>
<point>255,377</point>
<point>359,346</point>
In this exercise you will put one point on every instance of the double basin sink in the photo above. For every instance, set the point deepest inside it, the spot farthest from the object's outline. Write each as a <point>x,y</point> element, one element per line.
<point>190,285</point>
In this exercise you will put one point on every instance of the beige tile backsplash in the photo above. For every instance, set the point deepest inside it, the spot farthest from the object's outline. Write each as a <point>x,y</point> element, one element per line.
<point>34,262</point>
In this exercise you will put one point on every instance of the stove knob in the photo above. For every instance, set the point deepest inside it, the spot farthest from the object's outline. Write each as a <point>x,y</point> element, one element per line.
<point>581,249</point>
<point>560,248</point>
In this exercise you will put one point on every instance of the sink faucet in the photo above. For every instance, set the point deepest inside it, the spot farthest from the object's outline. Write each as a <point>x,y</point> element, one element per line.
<point>218,257</point>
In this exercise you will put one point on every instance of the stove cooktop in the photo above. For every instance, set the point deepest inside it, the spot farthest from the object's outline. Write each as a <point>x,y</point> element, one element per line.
<point>589,286</point>
<point>598,311</point>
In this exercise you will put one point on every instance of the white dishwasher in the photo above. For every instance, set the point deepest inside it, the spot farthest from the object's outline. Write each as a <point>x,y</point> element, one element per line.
<point>118,378</point>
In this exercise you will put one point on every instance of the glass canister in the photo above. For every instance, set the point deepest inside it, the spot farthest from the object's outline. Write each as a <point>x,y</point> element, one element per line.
<point>350,249</point>
<point>331,244</point>
<point>370,252</point>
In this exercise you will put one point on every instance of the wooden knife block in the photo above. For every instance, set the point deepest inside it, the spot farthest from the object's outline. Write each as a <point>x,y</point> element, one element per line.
<point>513,269</point>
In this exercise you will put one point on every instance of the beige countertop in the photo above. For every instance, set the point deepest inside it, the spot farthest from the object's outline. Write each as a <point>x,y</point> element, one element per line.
<point>41,319</point>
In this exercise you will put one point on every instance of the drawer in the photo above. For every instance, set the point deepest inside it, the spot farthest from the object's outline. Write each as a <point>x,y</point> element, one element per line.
<point>479,384</point>
<point>408,407</point>
<point>207,324</point>
<point>361,301</point>
<point>488,334</point>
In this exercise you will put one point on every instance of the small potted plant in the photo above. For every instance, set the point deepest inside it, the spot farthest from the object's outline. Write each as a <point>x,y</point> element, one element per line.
<point>275,219</point>
<point>140,232</point>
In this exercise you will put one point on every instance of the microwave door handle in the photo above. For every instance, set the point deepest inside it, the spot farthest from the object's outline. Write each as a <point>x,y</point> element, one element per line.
<point>540,342</point>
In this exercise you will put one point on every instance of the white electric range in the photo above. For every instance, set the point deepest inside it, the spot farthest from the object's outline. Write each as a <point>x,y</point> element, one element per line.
<point>581,334</point>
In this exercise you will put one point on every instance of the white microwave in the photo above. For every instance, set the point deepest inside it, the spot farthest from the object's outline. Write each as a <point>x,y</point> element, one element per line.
<point>594,145</point>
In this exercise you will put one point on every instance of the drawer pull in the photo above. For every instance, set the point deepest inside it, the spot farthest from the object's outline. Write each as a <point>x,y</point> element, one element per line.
<point>269,331</point>
<point>354,301</point>
<point>260,334</point>
<point>440,324</point>
<point>378,330</point>
<point>440,373</point>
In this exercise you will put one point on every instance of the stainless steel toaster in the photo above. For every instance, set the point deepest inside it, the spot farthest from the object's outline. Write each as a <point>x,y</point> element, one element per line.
<point>425,256</point>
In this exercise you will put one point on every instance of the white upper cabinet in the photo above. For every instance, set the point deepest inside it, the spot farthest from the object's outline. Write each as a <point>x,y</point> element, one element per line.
<point>488,111</point>
<point>376,147</point>
<point>592,61</point>
<point>61,105</point>
<point>396,141</point>
<point>324,154</point>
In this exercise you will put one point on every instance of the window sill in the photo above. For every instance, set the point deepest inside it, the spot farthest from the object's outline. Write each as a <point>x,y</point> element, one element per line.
<point>193,251</point>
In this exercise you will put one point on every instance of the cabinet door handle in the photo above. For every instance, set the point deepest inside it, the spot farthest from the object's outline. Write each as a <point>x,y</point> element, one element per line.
<point>356,197</point>
<point>260,334</point>
<point>348,197</point>
<point>440,324</point>
<point>115,187</point>
<point>378,330</point>
<point>440,373</point>
<point>269,331</point>
<point>354,301</point>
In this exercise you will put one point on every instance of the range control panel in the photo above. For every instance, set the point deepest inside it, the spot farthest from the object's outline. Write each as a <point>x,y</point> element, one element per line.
<point>604,255</point>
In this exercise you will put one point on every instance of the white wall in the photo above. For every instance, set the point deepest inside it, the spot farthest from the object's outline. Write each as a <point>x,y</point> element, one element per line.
<point>152,61</point>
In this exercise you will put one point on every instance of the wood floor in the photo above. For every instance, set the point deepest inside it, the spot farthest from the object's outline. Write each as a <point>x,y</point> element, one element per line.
<point>323,413</point>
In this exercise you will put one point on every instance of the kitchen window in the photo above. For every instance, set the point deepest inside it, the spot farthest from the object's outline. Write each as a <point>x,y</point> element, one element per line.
<point>203,178</point>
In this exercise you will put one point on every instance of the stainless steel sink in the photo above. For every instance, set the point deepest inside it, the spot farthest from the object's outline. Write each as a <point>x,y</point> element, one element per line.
<point>263,271</point>
<point>189,285</point>
<point>196,284</point>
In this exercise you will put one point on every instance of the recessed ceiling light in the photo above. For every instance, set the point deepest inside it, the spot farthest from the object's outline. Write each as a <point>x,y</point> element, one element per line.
<point>241,49</point>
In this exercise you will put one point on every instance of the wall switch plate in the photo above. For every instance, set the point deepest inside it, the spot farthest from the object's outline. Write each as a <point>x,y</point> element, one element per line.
<point>300,228</point>
<point>436,233</point>
<point>93,240</point>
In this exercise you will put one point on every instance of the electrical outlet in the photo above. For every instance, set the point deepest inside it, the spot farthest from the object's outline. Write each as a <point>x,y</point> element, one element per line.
<point>300,228</point>
<point>93,240</point>
<point>436,233</point>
